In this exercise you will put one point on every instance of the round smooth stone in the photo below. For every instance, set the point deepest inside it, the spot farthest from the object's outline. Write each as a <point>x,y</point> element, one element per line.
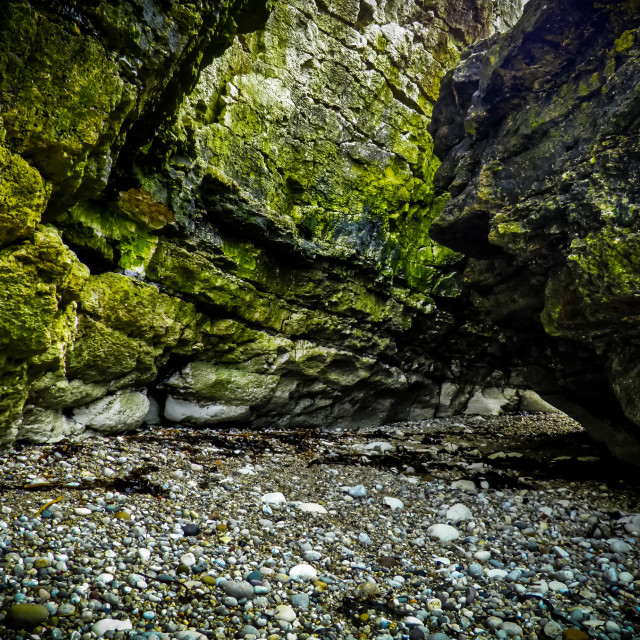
<point>574,634</point>
<point>300,600</point>
<point>459,512</point>
<point>26,616</point>
<point>237,590</point>
<point>464,485</point>
<point>511,629</point>
<point>249,630</point>
<point>443,532</point>
<point>274,498</point>
<point>393,503</point>
<point>65,610</point>
<point>311,507</point>
<point>188,560</point>
<point>482,555</point>
<point>560,587</point>
<point>303,572</point>
<point>109,624</point>
<point>618,546</point>
<point>190,529</point>
<point>552,629</point>
<point>285,612</point>
<point>144,554</point>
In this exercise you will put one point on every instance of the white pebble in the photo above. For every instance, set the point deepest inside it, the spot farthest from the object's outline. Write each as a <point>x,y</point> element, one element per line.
<point>144,554</point>
<point>464,485</point>
<point>393,503</point>
<point>108,624</point>
<point>285,612</point>
<point>274,498</point>
<point>443,532</point>
<point>458,512</point>
<point>303,572</point>
<point>311,507</point>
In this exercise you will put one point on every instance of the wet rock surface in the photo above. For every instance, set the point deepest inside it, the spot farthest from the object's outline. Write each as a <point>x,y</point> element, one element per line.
<point>224,195</point>
<point>202,533</point>
<point>538,136</point>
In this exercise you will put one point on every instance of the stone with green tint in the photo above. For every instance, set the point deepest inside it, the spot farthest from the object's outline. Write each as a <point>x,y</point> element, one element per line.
<point>547,203</point>
<point>238,209</point>
<point>26,616</point>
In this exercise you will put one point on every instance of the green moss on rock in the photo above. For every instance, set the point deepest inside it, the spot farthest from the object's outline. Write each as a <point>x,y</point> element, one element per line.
<point>23,197</point>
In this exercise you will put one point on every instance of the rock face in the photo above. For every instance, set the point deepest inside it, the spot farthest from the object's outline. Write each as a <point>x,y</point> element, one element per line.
<point>538,133</point>
<point>226,211</point>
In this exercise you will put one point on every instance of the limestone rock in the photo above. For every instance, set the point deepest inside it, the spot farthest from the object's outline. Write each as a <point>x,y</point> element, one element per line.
<point>491,402</point>
<point>531,401</point>
<point>262,214</point>
<point>542,173</point>
<point>46,425</point>
<point>184,411</point>
<point>120,412</point>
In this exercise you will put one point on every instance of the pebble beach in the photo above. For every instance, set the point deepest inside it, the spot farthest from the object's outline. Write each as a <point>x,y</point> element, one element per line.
<point>505,527</point>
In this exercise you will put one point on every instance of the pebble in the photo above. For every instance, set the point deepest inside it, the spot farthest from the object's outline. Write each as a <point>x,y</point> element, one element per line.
<point>443,532</point>
<point>464,485</point>
<point>312,507</point>
<point>574,634</point>
<point>359,491</point>
<point>276,498</point>
<point>619,546</point>
<point>26,616</point>
<point>285,612</point>
<point>511,629</point>
<point>300,600</point>
<point>237,590</point>
<point>109,624</point>
<point>303,572</point>
<point>459,512</point>
<point>144,555</point>
<point>393,503</point>
<point>552,629</point>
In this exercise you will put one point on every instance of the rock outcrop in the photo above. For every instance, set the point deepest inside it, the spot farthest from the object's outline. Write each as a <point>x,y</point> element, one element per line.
<point>227,217</point>
<point>539,135</point>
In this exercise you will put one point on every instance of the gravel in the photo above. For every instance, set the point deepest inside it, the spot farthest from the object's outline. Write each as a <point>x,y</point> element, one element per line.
<point>415,531</point>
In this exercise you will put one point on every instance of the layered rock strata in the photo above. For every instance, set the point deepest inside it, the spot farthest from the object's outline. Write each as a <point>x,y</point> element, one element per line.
<point>201,228</point>
<point>538,132</point>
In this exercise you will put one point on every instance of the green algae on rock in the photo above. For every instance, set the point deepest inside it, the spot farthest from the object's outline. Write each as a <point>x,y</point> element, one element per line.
<point>540,155</point>
<point>252,195</point>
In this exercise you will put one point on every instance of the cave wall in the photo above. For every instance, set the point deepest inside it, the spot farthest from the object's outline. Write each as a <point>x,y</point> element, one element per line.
<point>219,212</point>
<point>538,133</point>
